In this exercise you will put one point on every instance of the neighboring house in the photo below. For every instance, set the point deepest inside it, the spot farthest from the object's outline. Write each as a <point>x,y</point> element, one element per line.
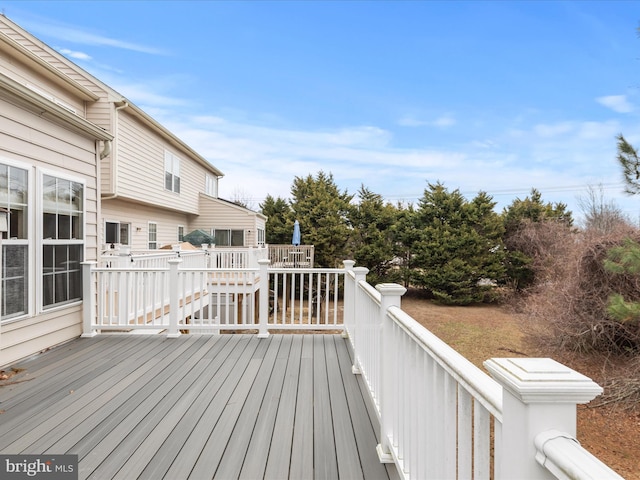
<point>81,167</point>
<point>156,189</point>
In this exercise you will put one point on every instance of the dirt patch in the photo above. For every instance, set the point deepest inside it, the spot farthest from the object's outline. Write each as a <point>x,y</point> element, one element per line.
<point>482,332</point>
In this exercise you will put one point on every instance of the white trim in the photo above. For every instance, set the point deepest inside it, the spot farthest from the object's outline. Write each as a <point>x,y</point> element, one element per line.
<point>211,185</point>
<point>103,240</point>
<point>31,237</point>
<point>149,231</point>
<point>172,166</point>
<point>39,241</point>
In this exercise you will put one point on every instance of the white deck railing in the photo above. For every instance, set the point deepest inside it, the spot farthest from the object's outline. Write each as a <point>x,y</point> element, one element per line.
<point>440,416</point>
<point>208,300</point>
<point>291,256</point>
<point>212,257</point>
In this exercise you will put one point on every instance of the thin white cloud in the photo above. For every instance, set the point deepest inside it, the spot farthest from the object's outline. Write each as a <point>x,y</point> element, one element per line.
<point>443,121</point>
<point>553,130</point>
<point>73,34</point>
<point>154,95</point>
<point>617,103</point>
<point>74,54</point>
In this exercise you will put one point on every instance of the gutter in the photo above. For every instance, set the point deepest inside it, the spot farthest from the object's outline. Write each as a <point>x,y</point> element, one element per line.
<point>50,110</point>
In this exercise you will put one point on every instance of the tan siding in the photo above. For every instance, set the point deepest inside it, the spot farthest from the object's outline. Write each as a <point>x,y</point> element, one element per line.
<point>139,216</point>
<point>53,145</point>
<point>219,214</point>
<point>34,141</point>
<point>101,113</point>
<point>27,337</point>
<point>17,71</point>
<point>141,168</point>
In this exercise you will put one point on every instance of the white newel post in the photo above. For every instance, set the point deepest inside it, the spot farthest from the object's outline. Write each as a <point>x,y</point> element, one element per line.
<point>360,275</point>
<point>391,294</point>
<point>123,262</point>
<point>263,310</point>
<point>349,292</point>
<point>539,396</point>
<point>88,300</point>
<point>174,298</point>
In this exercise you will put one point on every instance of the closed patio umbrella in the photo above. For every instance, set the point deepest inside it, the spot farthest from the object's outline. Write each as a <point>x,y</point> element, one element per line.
<point>295,240</point>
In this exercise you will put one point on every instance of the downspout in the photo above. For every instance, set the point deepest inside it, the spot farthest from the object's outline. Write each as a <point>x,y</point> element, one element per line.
<point>114,160</point>
<point>106,149</point>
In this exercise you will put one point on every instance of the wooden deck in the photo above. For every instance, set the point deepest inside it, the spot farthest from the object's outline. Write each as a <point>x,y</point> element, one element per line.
<point>196,407</point>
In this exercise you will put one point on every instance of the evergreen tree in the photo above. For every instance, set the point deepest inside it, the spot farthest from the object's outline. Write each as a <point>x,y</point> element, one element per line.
<point>322,210</point>
<point>518,216</point>
<point>372,242</point>
<point>533,209</point>
<point>459,252</point>
<point>279,226</point>
<point>624,260</point>
<point>628,159</point>
<point>405,235</point>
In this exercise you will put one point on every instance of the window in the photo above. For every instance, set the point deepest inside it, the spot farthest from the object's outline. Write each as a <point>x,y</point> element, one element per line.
<point>116,232</point>
<point>62,240</point>
<point>226,238</point>
<point>211,185</point>
<point>261,236</point>
<point>171,172</point>
<point>153,236</point>
<point>180,233</point>
<point>14,183</point>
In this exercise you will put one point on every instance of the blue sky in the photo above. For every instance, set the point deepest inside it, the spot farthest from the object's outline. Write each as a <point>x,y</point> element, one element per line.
<point>494,96</point>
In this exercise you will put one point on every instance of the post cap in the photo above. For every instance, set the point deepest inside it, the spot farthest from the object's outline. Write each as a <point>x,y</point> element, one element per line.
<point>391,289</point>
<point>542,380</point>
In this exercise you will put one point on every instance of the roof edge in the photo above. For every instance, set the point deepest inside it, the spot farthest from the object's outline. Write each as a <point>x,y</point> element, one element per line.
<point>50,108</point>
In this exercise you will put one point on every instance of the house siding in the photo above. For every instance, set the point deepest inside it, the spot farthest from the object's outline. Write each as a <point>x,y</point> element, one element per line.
<point>140,154</point>
<point>126,186</point>
<point>220,214</point>
<point>45,147</point>
<point>139,216</point>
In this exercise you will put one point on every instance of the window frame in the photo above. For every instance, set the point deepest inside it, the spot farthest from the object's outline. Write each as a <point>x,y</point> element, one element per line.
<point>118,232</point>
<point>229,236</point>
<point>171,172</point>
<point>155,232</point>
<point>59,242</point>
<point>27,243</point>
<point>211,185</point>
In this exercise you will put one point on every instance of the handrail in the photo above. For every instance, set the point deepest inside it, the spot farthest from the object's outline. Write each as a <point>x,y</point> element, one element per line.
<point>564,457</point>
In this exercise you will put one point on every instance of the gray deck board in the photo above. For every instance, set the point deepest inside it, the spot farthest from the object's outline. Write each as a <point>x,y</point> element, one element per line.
<point>346,448</point>
<point>61,375</point>
<point>197,407</point>
<point>87,425</point>
<point>74,406</point>
<point>324,447</point>
<point>279,458</point>
<point>260,442</point>
<point>301,466</point>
